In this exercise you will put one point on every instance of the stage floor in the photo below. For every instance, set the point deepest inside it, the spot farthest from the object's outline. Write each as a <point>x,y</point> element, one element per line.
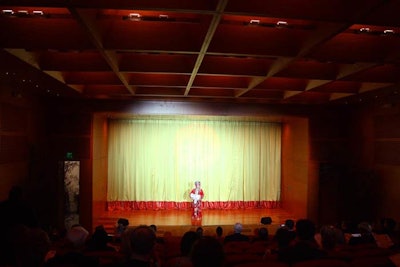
<point>179,221</point>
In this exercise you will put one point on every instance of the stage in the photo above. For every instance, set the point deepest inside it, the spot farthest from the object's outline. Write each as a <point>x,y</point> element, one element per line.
<point>177,222</point>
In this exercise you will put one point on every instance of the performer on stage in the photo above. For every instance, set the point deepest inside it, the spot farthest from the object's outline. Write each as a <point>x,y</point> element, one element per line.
<point>197,195</point>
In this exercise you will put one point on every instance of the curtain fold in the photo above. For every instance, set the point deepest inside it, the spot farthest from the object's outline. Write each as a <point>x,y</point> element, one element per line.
<point>153,163</point>
<point>165,205</point>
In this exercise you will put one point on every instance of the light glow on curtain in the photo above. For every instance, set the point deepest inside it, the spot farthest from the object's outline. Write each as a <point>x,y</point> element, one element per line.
<point>153,163</point>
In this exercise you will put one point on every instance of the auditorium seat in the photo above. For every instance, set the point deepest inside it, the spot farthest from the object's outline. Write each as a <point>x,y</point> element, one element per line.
<point>172,247</point>
<point>236,247</point>
<point>258,248</point>
<point>262,264</point>
<point>235,259</point>
<point>370,252</point>
<point>105,257</point>
<point>322,263</point>
<point>372,262</point>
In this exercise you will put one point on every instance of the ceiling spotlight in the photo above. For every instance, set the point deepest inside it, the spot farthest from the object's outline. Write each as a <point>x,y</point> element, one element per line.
<point>163,16</point>
<point>365,30</point>
<point>282,24</point>
<point>388,31</point>
<point>8,12</point>
<point>254,21</point>
<point>38,13</point>
<point>23,12</point>
<point>134,16</point>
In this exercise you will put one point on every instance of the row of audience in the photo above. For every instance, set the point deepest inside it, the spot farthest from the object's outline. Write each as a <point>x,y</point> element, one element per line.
<point>26,244</point>
<point>140,246</point>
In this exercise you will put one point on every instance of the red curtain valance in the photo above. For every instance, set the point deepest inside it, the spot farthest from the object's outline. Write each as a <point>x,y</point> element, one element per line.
<point>169,205</point>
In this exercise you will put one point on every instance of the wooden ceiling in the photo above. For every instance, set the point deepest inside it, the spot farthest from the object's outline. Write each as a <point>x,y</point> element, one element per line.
<point>281,52</point>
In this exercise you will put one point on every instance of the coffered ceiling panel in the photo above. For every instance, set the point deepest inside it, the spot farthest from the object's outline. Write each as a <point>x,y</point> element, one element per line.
<point>281,52</point>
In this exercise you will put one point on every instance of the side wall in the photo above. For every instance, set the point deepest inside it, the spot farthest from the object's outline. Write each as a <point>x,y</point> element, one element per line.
<point>100,161</point>
<point>379,140</point>
<point>23,149</point>
<point>295,157</point>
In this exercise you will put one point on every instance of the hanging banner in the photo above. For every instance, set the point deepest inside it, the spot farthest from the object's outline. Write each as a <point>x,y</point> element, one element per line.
<point>71,191</point>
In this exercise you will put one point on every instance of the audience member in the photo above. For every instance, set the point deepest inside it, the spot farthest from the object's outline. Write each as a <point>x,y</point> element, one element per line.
<point>281,240</point>
<point>71,253</point>
<point>15,212</point>
<point>262,235</point>
<point>159,240</point>
<point>284,234</point>
<point>186,245</point>
<point>99,240</point>
<point>29,245</point>
<point>219,232</point>
<point>363,235</point>
<point>289,223</point>
<point>207,252</point>
<point>304,247</point>
<point>154,227</point>
<point>120,228</point>
<point>237,235</point>
<point>138,245</point>
<point>331,237</point>
<point>200,231</point>
<point>389,228</point>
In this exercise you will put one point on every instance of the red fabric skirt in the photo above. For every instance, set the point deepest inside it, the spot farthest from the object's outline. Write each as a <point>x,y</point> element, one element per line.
<point>170,205</point>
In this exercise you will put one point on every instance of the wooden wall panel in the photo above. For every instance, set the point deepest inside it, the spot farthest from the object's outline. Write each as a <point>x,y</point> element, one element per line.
<point>13,118</point>
<point>328,126</point>
<point>71,123</point>
<point>79,146</point>
<point>387,126</point>
<point>14,148</point>
<point>330,150</point>
<point>387,152</point>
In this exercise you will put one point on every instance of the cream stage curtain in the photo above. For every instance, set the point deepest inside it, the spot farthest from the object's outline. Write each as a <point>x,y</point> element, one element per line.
<point>153,163</point>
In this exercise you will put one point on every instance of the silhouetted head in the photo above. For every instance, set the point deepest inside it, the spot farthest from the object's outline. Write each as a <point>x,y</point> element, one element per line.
<point>154,227</point>
<point>187,241</point>
<point>283,237</point>
<point>199,231</point>
<point>305,229</point>
<point>142,240</point>
<point>207,252</point>
<point>263,233</point>
<point>289,223</point>
<point>219,231</point>
<point>238,227</point>
<point>15,194</point>
<point>100,237</point>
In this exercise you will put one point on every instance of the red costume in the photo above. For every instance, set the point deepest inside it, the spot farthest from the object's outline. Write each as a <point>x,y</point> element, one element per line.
<point>197,195</point>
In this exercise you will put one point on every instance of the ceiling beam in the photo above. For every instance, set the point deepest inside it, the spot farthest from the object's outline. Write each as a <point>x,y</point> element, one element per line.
<point>365,87</point>
<point>87,19</point>
<point>207,40</point>
<point>335,96</point>
<point>324,32</point>
<point>31,58</point>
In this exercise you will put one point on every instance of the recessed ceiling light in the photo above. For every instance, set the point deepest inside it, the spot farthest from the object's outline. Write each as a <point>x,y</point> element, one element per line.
<point>23,12</point>
<point>364,29</point>
<point>38,13</point>
<point>163,16</point>
<point>255,21</point>
<point>8,12</point>
<point>388,31</point>
<point>282,23</point>
<point>134,16</point>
